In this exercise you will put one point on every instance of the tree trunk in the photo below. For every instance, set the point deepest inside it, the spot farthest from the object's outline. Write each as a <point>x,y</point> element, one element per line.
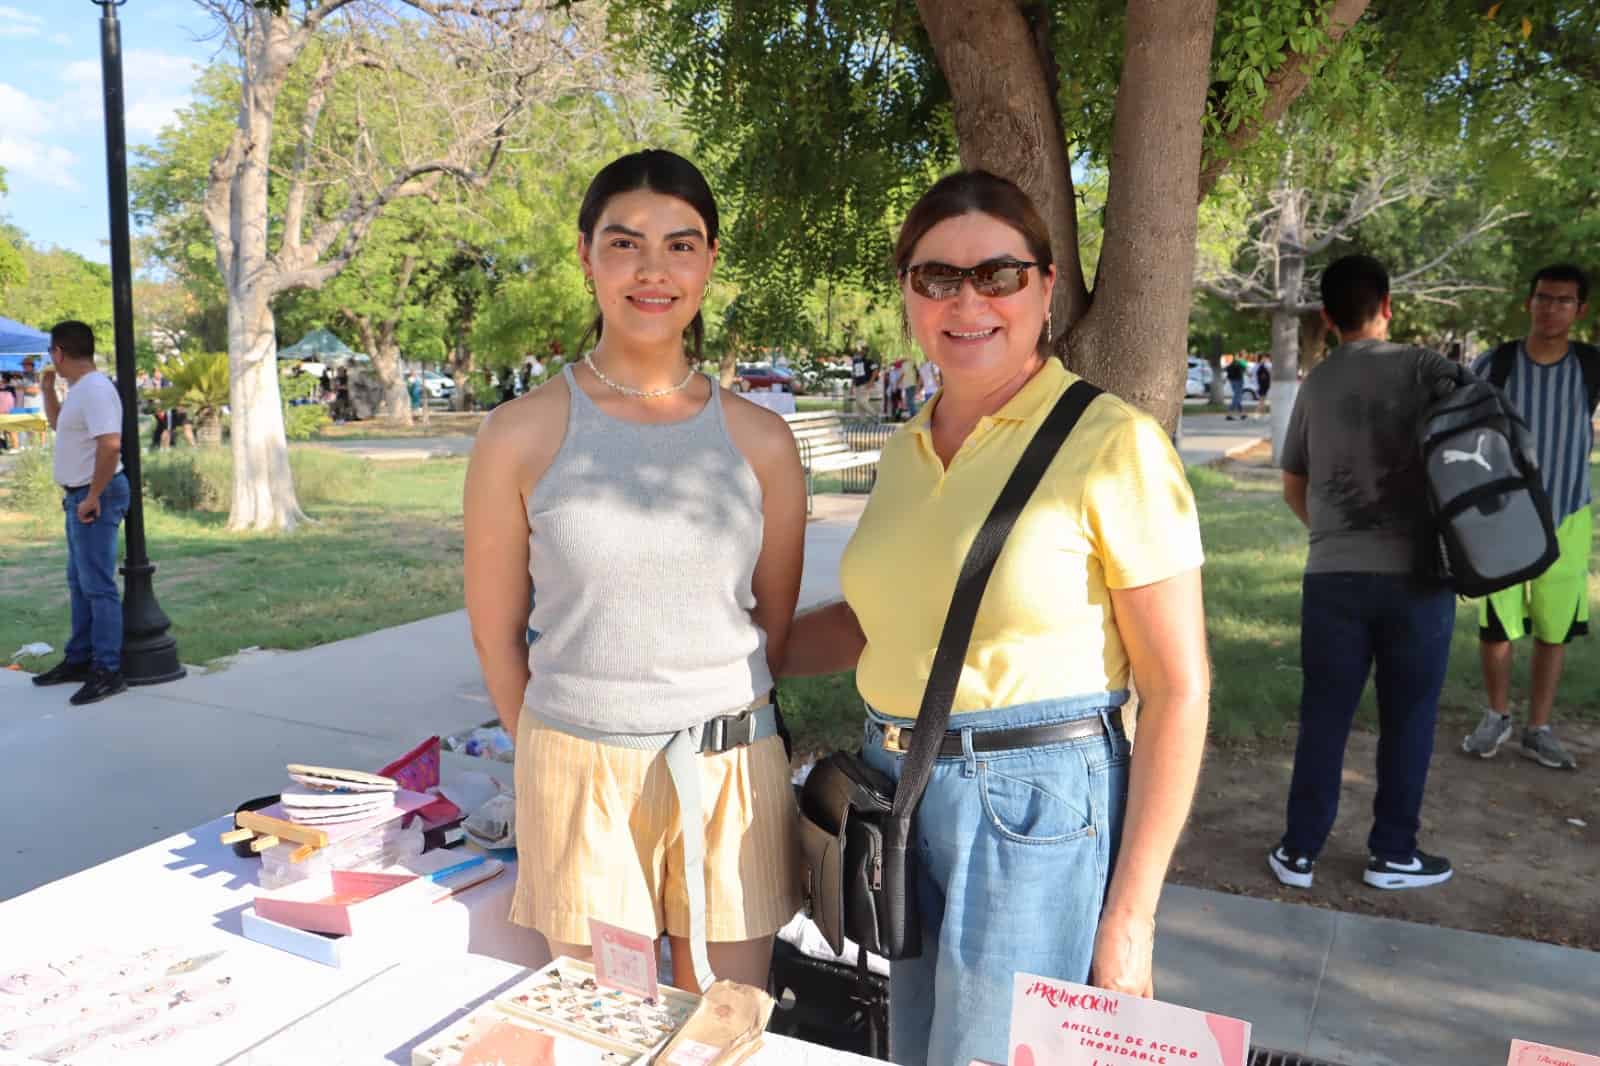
<point>1132,339</point>
<point>1286,319</point>
<point>1006,122</point>
<point>1214,360</point>
<point>386,363</point>
<point>728,365</point>
<point>461,367</point>
<point>1313,340</point>
<point>263,488</point>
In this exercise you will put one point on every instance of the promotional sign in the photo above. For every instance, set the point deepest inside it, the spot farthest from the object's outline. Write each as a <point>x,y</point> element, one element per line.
<point>1526,1054</point>
<point>1057,1023</point>
<point>623,960</point>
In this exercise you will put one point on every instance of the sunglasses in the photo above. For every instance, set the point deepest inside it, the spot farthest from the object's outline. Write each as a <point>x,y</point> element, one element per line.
<point>992,278</point>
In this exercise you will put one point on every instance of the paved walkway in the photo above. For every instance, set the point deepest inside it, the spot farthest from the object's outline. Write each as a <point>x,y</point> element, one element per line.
<point>1343,988</point>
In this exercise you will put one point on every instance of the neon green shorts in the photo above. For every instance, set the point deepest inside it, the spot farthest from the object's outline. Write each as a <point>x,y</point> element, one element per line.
<point>1554,606</point>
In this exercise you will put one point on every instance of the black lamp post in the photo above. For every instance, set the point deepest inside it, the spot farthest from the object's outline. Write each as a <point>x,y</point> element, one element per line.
<point>149,652</point>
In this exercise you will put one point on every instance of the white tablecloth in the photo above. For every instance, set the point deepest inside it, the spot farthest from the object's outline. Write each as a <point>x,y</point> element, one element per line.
<point>189,890</point>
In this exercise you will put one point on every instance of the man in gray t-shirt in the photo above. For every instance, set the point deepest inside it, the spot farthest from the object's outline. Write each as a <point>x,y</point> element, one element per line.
<point>1352,440</point>
<point>1352,473</point>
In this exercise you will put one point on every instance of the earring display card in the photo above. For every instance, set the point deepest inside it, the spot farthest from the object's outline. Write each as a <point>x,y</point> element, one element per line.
<point>565,996</point>
<point>1526,1054</point>
<point>624,960</point>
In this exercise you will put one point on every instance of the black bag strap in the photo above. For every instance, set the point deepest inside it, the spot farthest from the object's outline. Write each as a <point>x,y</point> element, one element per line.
<point>945,675</point>
<point>1589,362</point>
<point>1500,362</point>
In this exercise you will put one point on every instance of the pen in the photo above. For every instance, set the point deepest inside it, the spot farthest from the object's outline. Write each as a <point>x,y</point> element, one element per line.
<point>440,875</point>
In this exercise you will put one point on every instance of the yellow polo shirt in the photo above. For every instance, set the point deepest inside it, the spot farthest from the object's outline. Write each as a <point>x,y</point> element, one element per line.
<point>1114,511</point>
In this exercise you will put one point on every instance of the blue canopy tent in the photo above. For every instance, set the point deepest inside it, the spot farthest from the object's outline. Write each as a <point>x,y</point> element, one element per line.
<point>18,341</point>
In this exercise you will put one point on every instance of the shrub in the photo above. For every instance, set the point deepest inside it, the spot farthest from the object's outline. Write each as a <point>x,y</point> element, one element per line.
<point>304,421</point>
<point>198,479</point>
<point>201,479</point>
<point>32,485</point>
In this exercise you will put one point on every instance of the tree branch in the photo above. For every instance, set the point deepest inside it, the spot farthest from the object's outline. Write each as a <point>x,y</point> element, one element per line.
<point>1496,217</point>
<point>1283,85</point>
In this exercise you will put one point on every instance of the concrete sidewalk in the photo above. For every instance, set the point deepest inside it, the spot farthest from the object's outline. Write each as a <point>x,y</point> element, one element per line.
<point>1344,988</point>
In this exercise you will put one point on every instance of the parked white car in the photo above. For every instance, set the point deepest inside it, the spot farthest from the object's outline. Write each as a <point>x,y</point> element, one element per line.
<point>438,385</point>
<point>1200,375</point>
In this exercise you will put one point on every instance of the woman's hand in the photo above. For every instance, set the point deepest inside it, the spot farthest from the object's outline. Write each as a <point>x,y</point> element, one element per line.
<point>1124,955</point>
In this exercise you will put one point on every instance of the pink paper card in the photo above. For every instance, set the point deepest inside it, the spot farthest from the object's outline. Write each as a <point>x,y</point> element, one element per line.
<point>1058,1023</point>
<point>623,960</point>
<point>1526,1054</point>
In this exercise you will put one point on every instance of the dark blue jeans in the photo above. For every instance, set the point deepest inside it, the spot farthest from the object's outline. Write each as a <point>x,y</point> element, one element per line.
<point>1348,622</point>
<point>92,577</point>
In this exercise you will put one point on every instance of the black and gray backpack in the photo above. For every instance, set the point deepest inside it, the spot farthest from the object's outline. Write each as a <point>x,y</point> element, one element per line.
<point>1492,525</point>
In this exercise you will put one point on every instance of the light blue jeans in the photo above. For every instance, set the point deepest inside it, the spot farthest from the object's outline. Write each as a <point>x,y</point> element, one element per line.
<point>1014,852</point>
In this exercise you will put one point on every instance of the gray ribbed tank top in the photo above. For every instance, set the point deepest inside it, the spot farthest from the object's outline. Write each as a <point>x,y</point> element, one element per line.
<point>644,539</point>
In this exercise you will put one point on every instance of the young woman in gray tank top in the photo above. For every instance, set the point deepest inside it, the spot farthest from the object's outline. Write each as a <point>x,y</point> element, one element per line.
<point>662,520</point>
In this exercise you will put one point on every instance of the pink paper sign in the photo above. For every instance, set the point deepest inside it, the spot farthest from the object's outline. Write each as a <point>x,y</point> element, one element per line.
<point>623,960</point>
<point>1526,1054</point>
<point>1058,1023</point>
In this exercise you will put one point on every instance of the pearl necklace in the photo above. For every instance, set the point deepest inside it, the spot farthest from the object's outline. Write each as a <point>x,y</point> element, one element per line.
<point>629,390</point>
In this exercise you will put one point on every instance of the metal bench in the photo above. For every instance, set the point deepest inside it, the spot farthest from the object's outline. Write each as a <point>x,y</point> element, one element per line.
<point>829,445</point>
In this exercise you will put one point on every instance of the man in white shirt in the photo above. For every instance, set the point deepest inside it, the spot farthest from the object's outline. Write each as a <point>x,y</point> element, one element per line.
<point>88,467</point>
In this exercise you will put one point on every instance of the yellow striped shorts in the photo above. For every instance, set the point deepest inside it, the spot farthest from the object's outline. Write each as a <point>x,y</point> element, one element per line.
<point>599,836</point>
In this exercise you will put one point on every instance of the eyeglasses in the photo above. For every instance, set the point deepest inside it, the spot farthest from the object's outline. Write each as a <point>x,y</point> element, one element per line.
<point>992,278</point>
<point>1544,299</point>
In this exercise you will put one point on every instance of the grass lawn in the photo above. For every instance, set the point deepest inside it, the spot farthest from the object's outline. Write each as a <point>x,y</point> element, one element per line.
<point>386,549</point>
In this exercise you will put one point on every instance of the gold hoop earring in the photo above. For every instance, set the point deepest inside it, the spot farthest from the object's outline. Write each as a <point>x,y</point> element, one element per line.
<point>588,283</point>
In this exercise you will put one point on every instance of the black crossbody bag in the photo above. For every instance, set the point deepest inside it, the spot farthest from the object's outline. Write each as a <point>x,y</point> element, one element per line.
<point>855,825</point>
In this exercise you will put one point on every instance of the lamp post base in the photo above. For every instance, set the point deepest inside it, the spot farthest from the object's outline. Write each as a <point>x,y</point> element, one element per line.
<point>149,651</point>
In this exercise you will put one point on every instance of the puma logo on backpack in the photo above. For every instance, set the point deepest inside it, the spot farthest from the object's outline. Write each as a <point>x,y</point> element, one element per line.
<point>1474,456</point>
<point>1491,519</point>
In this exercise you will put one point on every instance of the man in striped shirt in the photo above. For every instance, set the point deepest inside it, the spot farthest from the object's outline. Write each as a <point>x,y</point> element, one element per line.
<point>1554,384</point>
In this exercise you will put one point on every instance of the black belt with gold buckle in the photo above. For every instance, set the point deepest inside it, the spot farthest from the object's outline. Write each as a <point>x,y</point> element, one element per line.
<point>898,738</point>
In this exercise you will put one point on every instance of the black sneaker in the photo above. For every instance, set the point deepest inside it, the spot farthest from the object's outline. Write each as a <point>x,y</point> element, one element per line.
<point>1293,868</point>
<point>1420,871</point>
<point>65,672</point>
<point>104,683</point>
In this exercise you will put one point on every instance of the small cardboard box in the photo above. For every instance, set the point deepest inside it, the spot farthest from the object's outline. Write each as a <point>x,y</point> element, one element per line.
<point>347,902</point>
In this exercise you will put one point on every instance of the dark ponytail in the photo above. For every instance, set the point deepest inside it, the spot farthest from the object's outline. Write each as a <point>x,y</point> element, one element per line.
<point>659,171</point>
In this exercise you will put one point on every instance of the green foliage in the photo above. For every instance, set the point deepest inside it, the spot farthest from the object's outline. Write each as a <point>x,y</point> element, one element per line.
<point>305,421</point>
<point>198,382</point>
<point>188,480</point>
<point>31,484</point>
<point>201,479</point>
<point>50,285</point>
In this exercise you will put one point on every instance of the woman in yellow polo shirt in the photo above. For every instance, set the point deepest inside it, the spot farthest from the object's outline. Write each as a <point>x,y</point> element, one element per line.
<point>1042,843</point>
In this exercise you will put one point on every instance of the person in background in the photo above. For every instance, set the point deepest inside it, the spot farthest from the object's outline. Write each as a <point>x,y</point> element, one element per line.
<point>928,378</point>
<point>1263,383</point>
<point>1554,382</point>
<point>8,401</point>
<point>1234,372</point>
<point>88,467</point>
<point>1357,485</point>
